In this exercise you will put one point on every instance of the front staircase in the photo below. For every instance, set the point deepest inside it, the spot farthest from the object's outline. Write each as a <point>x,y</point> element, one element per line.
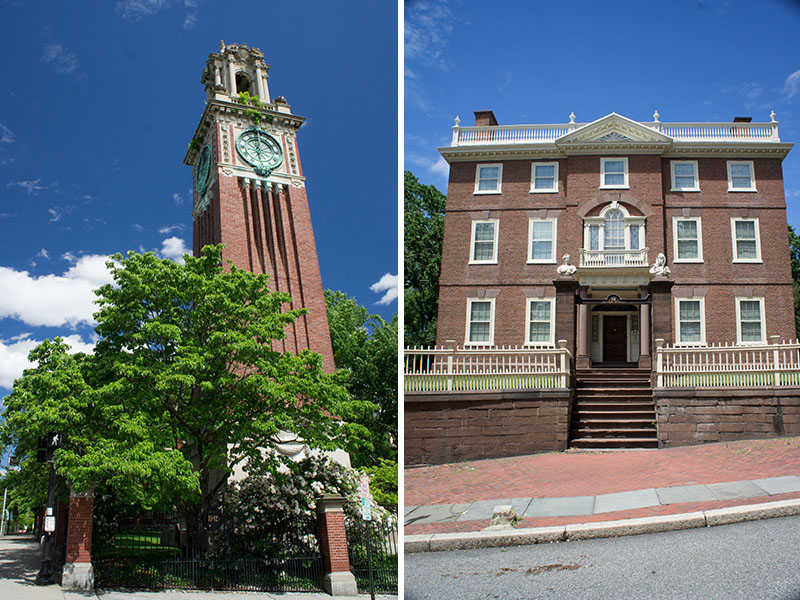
<point>613,408</point>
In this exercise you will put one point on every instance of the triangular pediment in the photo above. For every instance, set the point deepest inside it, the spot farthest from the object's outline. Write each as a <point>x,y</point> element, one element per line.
<point>613,129</point>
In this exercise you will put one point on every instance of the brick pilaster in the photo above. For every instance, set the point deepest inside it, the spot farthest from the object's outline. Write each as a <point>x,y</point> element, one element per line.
<point>338,580</point>
<point>78,573</point>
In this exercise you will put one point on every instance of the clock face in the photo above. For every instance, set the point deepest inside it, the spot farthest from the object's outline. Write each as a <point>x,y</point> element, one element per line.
<point>203,171</point>
<point>260,150</point>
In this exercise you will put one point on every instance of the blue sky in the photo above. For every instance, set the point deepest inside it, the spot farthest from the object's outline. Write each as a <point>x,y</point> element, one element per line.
<point>98,102</point>
<point>535,62</point>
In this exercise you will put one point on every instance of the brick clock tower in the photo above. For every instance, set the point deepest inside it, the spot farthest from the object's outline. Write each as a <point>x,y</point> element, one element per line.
<point>249,189</point>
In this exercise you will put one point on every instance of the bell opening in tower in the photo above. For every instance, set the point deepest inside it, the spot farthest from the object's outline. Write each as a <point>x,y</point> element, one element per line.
<point>242,83</point>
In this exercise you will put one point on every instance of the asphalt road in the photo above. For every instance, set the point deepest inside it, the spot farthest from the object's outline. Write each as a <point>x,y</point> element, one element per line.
<point>752,560</point>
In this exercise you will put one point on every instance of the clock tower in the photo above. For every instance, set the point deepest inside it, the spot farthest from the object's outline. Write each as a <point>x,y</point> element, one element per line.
<point>249,189</point>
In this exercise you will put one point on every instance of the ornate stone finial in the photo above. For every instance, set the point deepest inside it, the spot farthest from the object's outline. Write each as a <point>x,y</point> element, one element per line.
<point>566,269</point>
<point>221,45</point>
<point>660,267</point>
<point>457,121</point>
<point>655,116</point>
<point>572,117</point>
<point>772,117</point>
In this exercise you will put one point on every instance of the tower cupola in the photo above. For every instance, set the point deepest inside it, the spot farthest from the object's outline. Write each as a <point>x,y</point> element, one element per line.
<point>236,69</point>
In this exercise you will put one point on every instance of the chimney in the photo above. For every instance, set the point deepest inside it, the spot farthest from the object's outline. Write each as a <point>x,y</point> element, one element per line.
<point>485,118</point>
<point>737,119</point>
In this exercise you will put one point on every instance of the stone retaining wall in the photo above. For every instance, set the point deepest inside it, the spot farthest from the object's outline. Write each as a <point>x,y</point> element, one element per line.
<point>457,426</point>
<point>689,416</point>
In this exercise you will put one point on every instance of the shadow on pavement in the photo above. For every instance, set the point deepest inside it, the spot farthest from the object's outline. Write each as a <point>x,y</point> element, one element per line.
<point>20,558</point>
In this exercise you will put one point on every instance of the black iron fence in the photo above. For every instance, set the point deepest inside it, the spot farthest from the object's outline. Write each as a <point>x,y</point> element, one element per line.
<point>207,552</point>
<point>372,547</point>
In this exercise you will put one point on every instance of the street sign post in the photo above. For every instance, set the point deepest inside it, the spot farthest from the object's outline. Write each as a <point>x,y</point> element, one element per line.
<point>366,515</point>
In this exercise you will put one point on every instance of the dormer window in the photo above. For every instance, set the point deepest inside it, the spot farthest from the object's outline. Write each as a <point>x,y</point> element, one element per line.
<point>613,173</point>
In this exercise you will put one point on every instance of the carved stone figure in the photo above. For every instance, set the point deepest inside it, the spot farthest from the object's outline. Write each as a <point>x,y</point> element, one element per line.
<point>660,266</point>
<point>566,269</point>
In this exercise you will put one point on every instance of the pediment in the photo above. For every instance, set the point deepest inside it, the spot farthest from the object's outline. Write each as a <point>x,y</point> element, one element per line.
<point>613,129</point>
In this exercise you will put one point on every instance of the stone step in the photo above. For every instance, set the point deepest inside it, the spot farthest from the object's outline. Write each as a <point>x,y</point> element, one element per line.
<point>650,415</point>
<point>586,433</point>
<point>620,423</point>
<point>603,443</point>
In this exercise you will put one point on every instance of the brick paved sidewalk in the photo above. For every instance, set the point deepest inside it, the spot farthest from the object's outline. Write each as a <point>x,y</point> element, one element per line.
<point>561,475</point>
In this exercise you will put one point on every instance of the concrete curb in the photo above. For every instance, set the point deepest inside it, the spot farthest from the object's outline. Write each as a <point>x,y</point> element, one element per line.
<point>435,542</point>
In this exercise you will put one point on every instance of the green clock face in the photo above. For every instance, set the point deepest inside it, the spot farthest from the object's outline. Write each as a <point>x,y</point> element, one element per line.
<point>202,173</point>
<point>260,150</point>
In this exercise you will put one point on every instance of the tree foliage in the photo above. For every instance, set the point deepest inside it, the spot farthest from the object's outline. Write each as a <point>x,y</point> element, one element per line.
<point>424,207</point>
<point>365,345</point>
<point>794,250</point>
<point>183,386</point>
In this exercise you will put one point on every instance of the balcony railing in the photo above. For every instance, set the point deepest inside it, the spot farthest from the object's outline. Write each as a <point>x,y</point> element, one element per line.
<point>729,365</point>
<point>680,132</point>
<point>465,369</point>
<point>614,258</point>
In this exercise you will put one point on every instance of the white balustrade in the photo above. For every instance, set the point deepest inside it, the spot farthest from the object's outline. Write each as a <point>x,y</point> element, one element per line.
<point>728,365</point>
<point>680,132</point>
<point>614,258</point>
<point>454,368</point>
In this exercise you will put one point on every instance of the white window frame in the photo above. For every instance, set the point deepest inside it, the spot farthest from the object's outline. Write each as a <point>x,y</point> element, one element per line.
<point>553,252</point>
<point>493,260</point>
<point>675,254</point>
<point>752,187</point>
<point>675,188</point>
<point>600,222</point>
<point>678,340</point>
<point>624,185</point>
<point>734,247</point>
<point>533,177</point>
<point>551,342</point>
<point>760,300</point>
<point>499,188</point>
<point>490,342</point>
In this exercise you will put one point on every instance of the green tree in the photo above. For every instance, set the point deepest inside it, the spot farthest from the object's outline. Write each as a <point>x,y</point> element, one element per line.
<point>365,345</point>
<point>424,207</point>
<point>794,250</point>
<point>183,386</point>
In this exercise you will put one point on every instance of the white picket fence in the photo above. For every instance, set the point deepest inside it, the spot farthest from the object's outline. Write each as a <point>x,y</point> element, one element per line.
<point>452,368</point>
<point>729,365</point>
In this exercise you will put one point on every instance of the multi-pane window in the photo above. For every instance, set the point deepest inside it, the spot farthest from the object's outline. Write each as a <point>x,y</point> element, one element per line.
<point>614,230</point>
<point>690,324</point>
<point>484,242</point>
<point>488,179</point>
<point>544,177</point>
<point>746,242</point>
<point>480,322</point>
<point>740,176</point>
<point>750,320</point>
<point>542,240</point>
<point>684,176</point>
<point>613,172</point>
<point>540,322</point>
<point>688,239</point>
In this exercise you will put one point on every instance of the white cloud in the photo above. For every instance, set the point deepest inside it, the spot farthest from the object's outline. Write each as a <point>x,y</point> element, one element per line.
<point>190,20</point>
<point>426,32</point>
<point>30,186</point>
<point>63,60</point>
<point>441,168</point>
<point>43,253</point>
<point>174,249</point>
<point>387,284</point>
<point>14,355</point>
<point>177,199</point>
<point>55,214</point>
<point>136,10</point>
<point>53,300</point>
<point>171,228</point>
<point>6,136</point>
<point>792,85</point>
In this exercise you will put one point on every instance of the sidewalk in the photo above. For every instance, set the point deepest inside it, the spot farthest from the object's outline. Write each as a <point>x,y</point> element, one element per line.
<point>20,559</point>
<point>557,489</point>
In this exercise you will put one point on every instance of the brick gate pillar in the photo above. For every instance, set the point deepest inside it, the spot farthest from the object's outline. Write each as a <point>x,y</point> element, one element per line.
<point>565,311</point>
<point>78,573</point>
<point>338,580</point>
<point>661,313</point>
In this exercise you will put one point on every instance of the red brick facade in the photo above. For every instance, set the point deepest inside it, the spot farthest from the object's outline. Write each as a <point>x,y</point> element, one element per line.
<point>79,534</point>
<point>332,534</point>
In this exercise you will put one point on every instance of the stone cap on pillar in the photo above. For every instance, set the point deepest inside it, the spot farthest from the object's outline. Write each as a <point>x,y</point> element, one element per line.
<point>87,492</point>
<point>330,503</point>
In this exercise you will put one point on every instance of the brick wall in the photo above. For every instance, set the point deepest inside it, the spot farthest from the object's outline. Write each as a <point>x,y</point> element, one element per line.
<point>451,427</point>
<point>694,416</point>
<point>718,279</point>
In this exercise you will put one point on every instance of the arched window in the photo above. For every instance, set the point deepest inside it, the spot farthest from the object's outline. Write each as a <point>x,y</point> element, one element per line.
<point>242,83</point>
<point>614,230</point>
<point>614,238</point>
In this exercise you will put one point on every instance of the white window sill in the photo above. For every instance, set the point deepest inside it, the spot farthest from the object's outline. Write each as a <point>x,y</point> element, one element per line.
<point>550,191</point>
<point>550,261</point>
<point>742,189</point>
<point>484,192</point>
<point>482,262</point>
<point>615,187</point>
<point>697,189</point>
<point>752,261</point>
<point>689,260</point>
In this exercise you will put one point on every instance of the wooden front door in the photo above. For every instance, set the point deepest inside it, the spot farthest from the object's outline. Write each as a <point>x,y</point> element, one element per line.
<point>615,338</point>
